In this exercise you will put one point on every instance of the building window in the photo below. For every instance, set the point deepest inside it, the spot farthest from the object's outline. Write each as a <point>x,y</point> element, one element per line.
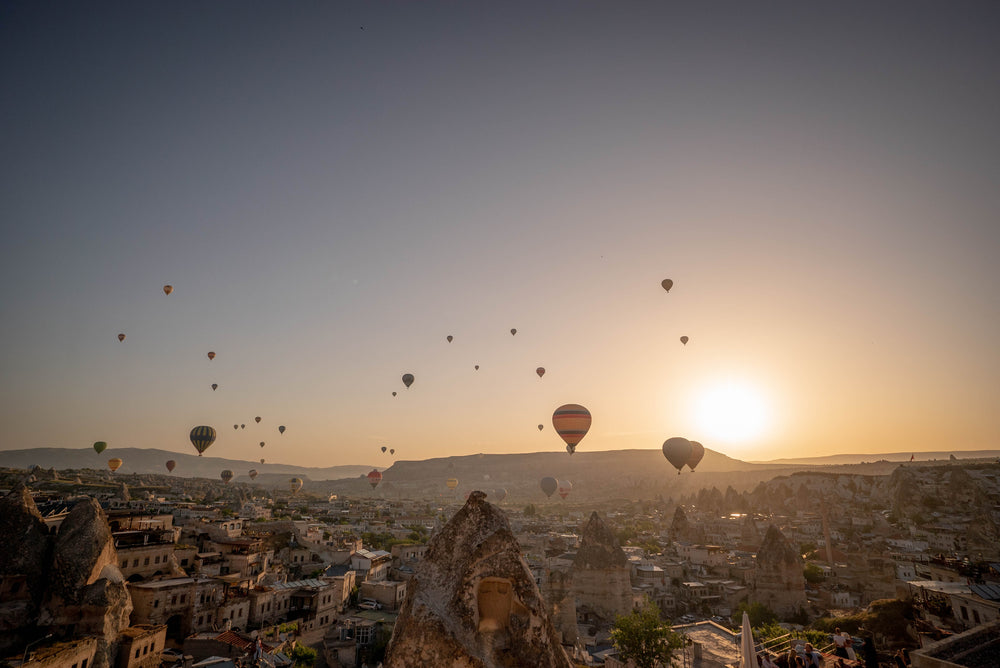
<point>173,600</point>
<point>137,652</point>
<point>84,664</point>
<point>975,615</point>
<point>965,613</point>
<point>183,598</point>
<point>145,562</point>
<point>124,563</point>
<point>156,559</point>
<point>135,562</point>
<point>156,603</point>
<point>145,650</point>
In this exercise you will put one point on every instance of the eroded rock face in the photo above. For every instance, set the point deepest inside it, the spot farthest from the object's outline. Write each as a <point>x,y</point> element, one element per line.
<point>601,573</point>
<point>26,549</point>
<point>779,580</point>
<point>82,549</point>
<point>473,602</point>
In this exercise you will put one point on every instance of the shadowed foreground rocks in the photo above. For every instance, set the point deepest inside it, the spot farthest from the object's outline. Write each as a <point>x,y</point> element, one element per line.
<point>473,602</point>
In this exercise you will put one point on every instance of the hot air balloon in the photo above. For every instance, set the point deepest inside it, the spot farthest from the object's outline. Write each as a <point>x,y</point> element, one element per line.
<point>677,450</point>
<point>684,340</point>
<point>167,289</point>
<point>261,460</point>
<point>121,337</point>
<point>170,465</point>
<point>384,449</point>
<point>262,444</point>
<point>549,486</point>
<point>571,421</point>
<point>452,483</point>
<point>226,476</point>
<point>477,367</point>
<point>243,426</point>
<point>281,429</point>
<point>501,494</point>
<point>253,474</point>
<point>393,394</point>
<point>202,437</point>
<point>257,419</point>
<point>513,332</point>
<point>697,452</point>
<point>667,284</point>
<point>407,379</point>
<point>99,446</point>
<point>374,478</point>
<point>215,386</point>
<point>565,487</point>
<point>540,371</point>
<point>211,355</point>
<point>449,337</point>
<point>392,451</point>
<point>114,464</point>
<point>236,426</point>
<point>541,427</point>
<point>294,485</point>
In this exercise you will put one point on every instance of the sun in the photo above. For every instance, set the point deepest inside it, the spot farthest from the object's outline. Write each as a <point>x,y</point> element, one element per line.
<point>733,411</point>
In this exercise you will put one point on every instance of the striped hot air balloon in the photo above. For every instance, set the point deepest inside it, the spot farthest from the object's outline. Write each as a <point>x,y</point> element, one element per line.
<point>226,476</point>
<point>202,437</point>
<point>571,422</point>
<point>114,464</point>
<point>452,483</point>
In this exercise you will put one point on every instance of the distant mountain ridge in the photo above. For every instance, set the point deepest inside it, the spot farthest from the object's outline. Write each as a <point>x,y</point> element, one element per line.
<point>833,460</point>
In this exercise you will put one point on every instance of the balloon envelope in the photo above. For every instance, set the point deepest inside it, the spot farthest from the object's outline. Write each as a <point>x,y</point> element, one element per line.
<point>677,450</point>
<point>565,487</point>
<point>392,451</point>
<point>384,448</point>
<point>253,474</point>
<point>226,476</point>
<point>452,483</point>
<point>501,494</point>
<point>541,427</point>
<point>294,485</point>
<point>374,478</point>
<point>571,422</point>
<point>407,379</point>
<point>121,337</point>
<point>211,355</point>
<point>167,289</point>
<point>281,429</point>
<point>449,337</point>
<point>215,386</point>
<point>236,426</point>
<point>243,426</point>
<point>540,371</point>
<point>257,419</point>
<point>513,332</point>
<point>684,340</point>
<point>99,446</point>
<point>549,485</point>
<point>114,464</point>
<point>477,367</point>
<point>262,444</point>
<point>667,284</point>
<point>171,464</point>
<point>697,452</point>
<point>202,437</point>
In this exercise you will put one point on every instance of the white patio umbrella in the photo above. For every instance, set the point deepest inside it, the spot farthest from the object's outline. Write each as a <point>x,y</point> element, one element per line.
<point>748,658</point>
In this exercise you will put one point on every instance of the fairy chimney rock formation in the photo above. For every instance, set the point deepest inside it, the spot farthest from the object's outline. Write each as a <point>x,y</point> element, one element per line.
<point>779,583</point>
<point>473,602</point>
<point>601,573</point>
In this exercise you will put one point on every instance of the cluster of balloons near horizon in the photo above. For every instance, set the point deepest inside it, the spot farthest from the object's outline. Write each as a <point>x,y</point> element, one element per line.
<point>681,452</point>
<point>550,486</point>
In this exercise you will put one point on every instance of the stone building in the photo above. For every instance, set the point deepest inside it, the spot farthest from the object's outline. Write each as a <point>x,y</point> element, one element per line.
<point>140,646</point>
<point>779,582</point>
<point>601,575</point>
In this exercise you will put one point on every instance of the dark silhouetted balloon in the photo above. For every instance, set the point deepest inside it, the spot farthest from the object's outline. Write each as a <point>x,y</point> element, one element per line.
<point>261,460</point>
<point>477,367</point>
<point>281,429</point>
<point>226,476</point>
<point>211,355</point>
<point>513,332</point>
<point>392,451</point>
<point>374,478</point>
<point>99,446</point>
<point>114,464</point>
<point>243,426</point>
<point>215,386</point>
<point>565,487</point>
<point>697,452</point>
<point>684,340</point>
<point>253,474</point>
<point>384,449</point>
<point>236,426</point>
<point>667,284</point>
<point>449,337</point>
<point>257,419</point>
<point>541,427</point>
<point>121,337</point>
<point>171,464</point>
<point>407,379</point>
<point>549,485</point>
<point>540,371</point>
<point>393,394</point>
<point>262,444</point>
<point>202,437</point>
<point>167,289</point>
<point>677,450</point>
<point>571,422</point>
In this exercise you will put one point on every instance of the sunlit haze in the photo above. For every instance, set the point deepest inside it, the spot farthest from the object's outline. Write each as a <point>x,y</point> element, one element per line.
<point>332,189</point>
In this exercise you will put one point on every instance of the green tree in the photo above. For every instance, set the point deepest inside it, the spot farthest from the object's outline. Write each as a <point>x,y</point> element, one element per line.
<point>303,656</point>
<point>760,615</point>
<point>813,573</point>
<point>529,510</point>
<point>644,638</point>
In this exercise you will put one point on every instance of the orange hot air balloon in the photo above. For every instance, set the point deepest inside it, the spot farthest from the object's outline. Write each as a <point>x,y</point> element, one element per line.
<point>253,474</point>
<point>226,476</point>
<point>452,483</point>
<point>565,487</point>
<point>407,379</point>
<point>540,371</point>
<point>211,355</point>
<point>571,422</point>
<point>549,485</point>
<point>374,478</point>
<point>170,465</point>
<point>677,450</point>
<point>667,284</point>
<point>121,337</point>
<point>449,337</point>
<point>697,452</point>
<point>167,289</point>
<point>684,340</point>
<point>114,464</point>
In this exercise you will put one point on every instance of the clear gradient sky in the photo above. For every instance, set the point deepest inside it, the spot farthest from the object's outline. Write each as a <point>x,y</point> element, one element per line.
<point>333,188</point>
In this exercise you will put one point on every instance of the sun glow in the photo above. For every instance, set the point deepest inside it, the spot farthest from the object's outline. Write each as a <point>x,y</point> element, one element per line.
<point>732,411</point>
